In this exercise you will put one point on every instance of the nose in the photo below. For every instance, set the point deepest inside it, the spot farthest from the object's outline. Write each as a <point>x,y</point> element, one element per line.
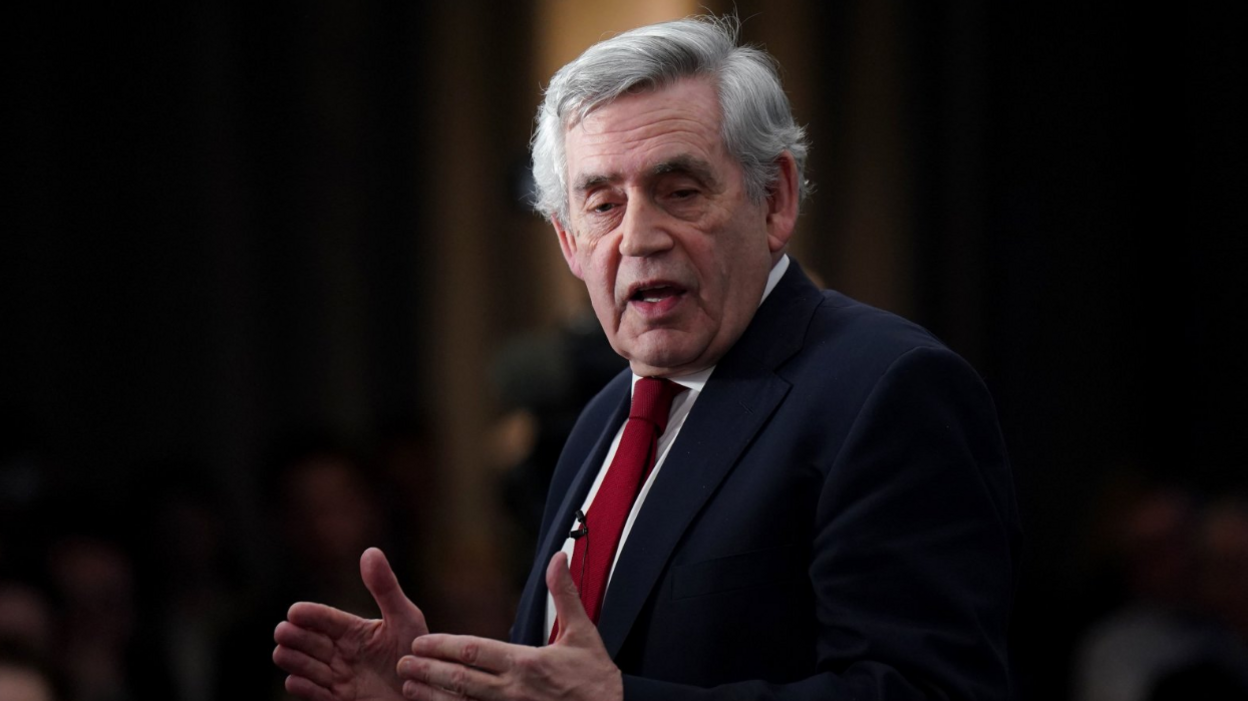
<point>644,230</point>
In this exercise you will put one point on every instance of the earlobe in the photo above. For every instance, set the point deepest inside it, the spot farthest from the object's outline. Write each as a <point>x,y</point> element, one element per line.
<point>568,243</point>
<point>782,200</point>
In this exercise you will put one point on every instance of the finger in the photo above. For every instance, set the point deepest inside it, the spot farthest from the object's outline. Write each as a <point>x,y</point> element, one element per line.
<point>379,577</point>
<point>453,677</point>
<point>298,686</point>
<point>423,692</point>
<point>300,664</point>
<point>322,619</point>
<point>569,610</point>
<point>482,653</point>
<point>311,643</point>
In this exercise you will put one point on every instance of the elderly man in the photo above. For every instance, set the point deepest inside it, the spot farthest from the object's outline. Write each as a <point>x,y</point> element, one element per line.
<point>791,495</point>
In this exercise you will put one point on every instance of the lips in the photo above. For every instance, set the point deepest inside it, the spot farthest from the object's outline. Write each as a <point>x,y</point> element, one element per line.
<point>655,297</point>
<point>655,294</point>
<point>654,290</point>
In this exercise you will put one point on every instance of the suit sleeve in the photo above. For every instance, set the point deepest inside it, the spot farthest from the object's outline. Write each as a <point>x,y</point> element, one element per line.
<point>914,550</point>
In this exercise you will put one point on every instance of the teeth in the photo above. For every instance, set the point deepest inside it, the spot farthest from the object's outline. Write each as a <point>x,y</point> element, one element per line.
<point>654,294</point>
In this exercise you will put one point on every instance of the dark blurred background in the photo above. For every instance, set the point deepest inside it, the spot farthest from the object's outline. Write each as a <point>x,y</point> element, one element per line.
<point>270,294</point>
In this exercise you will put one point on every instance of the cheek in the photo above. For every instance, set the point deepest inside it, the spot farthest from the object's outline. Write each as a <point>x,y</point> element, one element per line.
<point>728,298</point>
<point>600,271</point>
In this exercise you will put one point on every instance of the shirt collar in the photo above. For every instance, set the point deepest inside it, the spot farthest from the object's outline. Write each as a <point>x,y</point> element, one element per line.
<point>773,278</point>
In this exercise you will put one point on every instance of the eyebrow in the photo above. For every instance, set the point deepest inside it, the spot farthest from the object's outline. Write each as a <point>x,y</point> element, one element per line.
<point>696,167</point>
<point>589,182</point>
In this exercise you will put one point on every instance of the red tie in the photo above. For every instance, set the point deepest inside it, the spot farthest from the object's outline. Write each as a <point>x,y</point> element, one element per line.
<point>599,534</point>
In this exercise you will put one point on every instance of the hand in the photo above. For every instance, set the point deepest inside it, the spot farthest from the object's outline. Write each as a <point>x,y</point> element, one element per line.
<point>332,655</point>
<point>574,666</point>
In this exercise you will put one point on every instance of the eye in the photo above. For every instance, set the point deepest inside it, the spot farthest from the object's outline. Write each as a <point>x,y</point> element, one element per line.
<point>680,188</point>
<point>683,196</point>
<point>601,202</point>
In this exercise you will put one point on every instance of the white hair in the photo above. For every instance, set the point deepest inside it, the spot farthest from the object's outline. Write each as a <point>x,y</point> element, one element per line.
<point>757,123</point>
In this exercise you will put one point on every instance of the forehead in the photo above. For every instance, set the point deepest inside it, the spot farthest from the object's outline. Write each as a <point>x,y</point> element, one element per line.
<point>637,131</point>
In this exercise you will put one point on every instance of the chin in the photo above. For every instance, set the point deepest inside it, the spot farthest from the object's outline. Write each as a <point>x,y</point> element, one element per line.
<point>665,360</point>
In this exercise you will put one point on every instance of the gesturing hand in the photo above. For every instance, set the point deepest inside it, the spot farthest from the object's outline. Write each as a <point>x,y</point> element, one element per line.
<point>575,666</point>
<point>332,655</point>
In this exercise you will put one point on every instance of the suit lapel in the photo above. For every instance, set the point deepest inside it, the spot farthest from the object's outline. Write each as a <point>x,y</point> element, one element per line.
<point>736,402</point>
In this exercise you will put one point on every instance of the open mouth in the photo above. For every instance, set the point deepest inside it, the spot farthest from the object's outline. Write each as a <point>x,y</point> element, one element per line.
<point>656,299</point>
<point>658,293</point>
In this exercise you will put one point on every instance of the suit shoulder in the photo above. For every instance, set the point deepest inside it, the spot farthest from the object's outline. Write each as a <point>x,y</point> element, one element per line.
<point>851,350</point>
<point>843,326</point>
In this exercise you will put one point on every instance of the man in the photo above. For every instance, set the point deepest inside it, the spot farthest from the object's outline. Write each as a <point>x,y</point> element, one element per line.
<point>830,514</point>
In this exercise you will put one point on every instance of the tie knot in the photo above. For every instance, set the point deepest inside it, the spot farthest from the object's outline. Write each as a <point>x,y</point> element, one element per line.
<point>652,400</point>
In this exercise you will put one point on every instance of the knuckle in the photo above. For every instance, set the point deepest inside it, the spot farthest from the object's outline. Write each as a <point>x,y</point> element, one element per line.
<point>415,668</point>
<point>458,680</point>
<point>526,665</point>
<point>470,653</point>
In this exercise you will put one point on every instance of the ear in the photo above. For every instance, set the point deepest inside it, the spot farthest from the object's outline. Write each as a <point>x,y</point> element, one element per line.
<point>782,198</point>
<point>567,243</point>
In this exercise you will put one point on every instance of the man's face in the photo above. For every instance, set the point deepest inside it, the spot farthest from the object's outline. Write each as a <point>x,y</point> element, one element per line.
<point>672,249</point>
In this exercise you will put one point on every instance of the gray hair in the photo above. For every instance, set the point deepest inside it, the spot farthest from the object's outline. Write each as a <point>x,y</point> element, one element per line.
<point>757,123</point>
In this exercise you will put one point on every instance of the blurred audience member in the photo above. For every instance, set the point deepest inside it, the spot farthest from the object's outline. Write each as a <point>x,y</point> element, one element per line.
<point>93,580</point>
<point>27,481</point>
<point>543,380</point>
<point>26,617</point>
<point>407,457</point>
<point>464,593</point>
<point>1154,628</point>
<point>328,506</point>
<point>188,578</point>
<point>1224,563</point>
<point>1179,631</point>
<point>329,514</point>
<point>26,675</point>
<point>1220,671</point>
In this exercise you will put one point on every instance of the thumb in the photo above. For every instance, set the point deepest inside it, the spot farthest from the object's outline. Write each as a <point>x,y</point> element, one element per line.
<point>569,611</point>
<point>379,577</point>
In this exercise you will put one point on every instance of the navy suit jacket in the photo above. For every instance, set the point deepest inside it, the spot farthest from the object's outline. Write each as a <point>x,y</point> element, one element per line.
<point>835,520</point>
